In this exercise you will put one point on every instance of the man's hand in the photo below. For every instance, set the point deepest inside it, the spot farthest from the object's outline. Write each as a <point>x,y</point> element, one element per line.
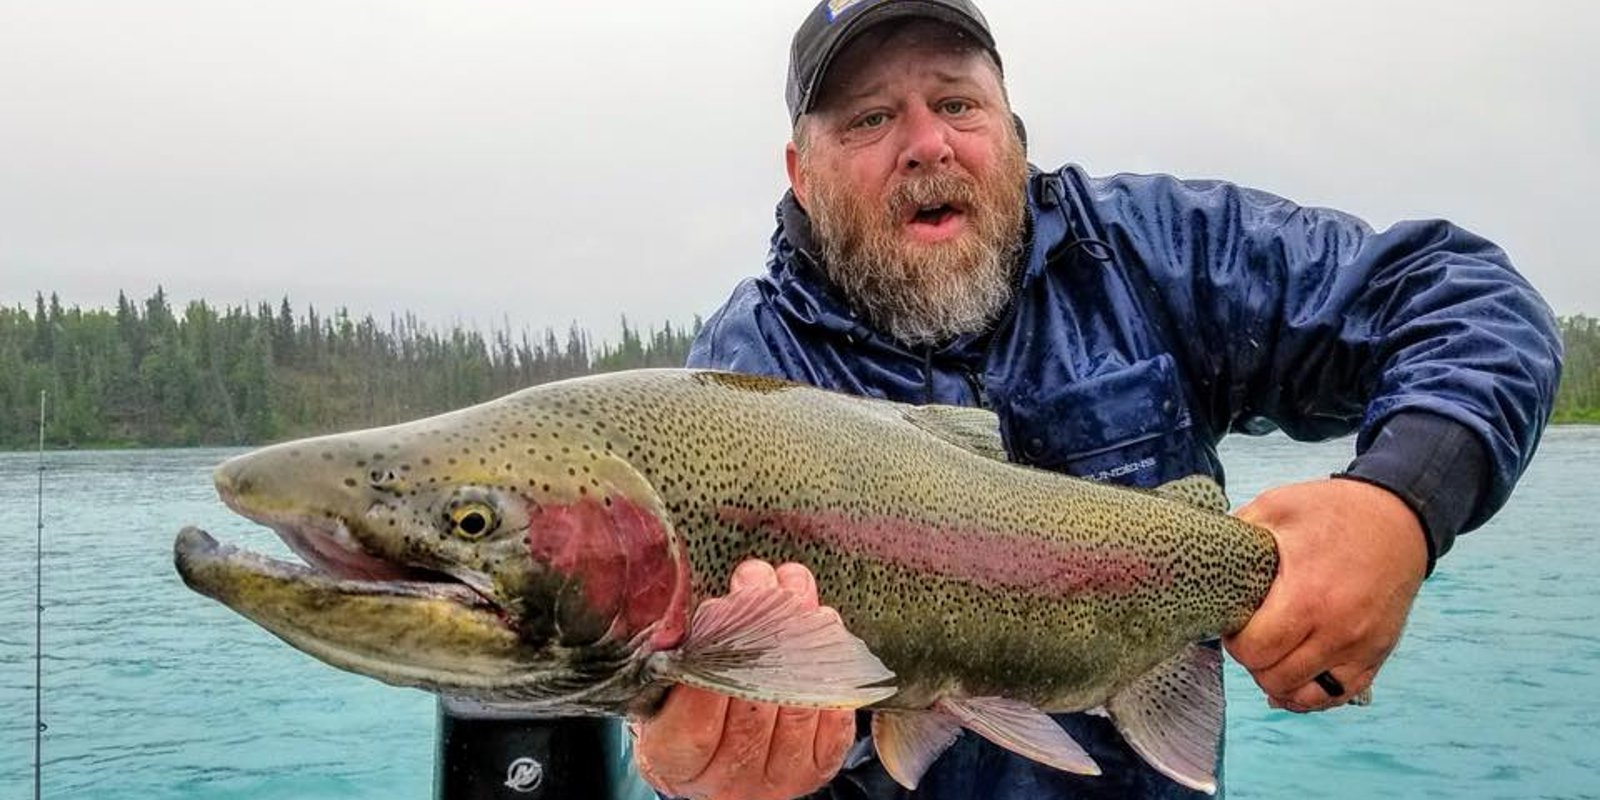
<point>1351,559</point>
<point>705,745</point>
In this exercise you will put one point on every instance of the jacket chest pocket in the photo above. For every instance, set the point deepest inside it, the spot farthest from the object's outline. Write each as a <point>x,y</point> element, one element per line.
<point>1130,425</point>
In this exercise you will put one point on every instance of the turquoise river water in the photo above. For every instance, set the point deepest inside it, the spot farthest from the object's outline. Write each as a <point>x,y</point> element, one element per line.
<point>151,691</point>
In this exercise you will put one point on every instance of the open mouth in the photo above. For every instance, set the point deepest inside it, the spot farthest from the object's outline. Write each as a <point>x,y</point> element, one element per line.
<point>935,221</point>
<point>334,561</point>
<point>200,554</point>
<point>933,214</point>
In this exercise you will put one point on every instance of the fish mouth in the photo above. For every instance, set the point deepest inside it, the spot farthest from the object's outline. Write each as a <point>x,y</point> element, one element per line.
<point>201,560</point>
<point>404,625</point>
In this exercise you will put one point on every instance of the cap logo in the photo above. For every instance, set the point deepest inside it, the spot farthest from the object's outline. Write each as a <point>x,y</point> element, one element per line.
<point>838,7</point>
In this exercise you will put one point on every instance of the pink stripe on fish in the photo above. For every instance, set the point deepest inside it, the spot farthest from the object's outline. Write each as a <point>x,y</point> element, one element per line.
<point>983,558</point>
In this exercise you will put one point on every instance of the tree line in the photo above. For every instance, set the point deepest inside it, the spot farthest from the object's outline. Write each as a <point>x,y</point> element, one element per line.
<point>1578,398</point>
<point>144,374</point>
<point>147,374</point>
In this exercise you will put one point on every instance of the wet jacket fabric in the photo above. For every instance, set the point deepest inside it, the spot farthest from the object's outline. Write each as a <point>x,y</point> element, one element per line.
<point>1151,317</point>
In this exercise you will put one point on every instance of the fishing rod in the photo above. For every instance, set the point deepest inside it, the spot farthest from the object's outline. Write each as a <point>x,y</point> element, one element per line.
<point>38,617</point>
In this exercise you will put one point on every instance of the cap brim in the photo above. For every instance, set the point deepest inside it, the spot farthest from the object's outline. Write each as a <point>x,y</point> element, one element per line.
<point>869,18</point>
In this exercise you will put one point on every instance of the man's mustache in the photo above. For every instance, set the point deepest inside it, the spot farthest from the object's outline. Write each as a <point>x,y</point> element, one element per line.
<point>940,188</point>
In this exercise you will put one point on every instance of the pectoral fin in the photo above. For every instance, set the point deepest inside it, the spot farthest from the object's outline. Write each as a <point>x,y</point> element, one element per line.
<point>1022,729</point>
<point>1172,716</point>
<point>762,645</point>
<point>908,742</point>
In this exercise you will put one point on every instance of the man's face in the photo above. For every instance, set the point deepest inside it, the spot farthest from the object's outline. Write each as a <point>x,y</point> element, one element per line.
<point>913,176</point>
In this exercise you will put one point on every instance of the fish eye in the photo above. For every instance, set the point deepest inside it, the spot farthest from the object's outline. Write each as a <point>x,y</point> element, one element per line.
<point>472,521</point>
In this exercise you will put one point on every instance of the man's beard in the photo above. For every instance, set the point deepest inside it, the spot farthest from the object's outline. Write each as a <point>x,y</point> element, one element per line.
<point>922,293</point>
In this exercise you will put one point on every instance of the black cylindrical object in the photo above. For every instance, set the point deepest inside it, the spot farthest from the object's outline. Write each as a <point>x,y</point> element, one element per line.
<point>491,754</point>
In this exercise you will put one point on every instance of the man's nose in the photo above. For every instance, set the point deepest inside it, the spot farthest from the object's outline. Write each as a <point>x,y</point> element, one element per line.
<point>927,141</point>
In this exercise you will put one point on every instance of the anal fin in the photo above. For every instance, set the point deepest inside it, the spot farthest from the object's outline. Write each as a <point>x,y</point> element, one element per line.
<point>1022,729</point>
<point>761,644</point>
<point>908,742</point>
<point>1172,716</point>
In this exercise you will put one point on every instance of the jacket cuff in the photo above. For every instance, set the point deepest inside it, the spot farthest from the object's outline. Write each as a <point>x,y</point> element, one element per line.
<point>1435,465</point>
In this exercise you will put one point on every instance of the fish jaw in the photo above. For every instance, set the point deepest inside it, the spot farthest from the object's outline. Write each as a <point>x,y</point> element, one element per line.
<point>439,636</point>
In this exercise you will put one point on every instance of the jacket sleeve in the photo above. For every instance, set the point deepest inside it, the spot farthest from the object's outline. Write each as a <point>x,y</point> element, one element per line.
<point>1422,338</point>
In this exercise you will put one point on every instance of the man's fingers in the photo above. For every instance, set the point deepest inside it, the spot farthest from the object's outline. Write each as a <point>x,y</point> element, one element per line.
<point>747,733</point>
<point>753,574</point>
<point>1313,696</point>
<point>791,763</point>
<point>1273,633</point>
<point>836,731</point>
<point>681,739</point>
<point>796,578</point>
<point>1298,668</point>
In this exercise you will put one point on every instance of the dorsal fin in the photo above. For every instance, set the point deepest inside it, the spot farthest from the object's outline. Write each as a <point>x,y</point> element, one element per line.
<point>1202,491</point>
<point>972,429</point>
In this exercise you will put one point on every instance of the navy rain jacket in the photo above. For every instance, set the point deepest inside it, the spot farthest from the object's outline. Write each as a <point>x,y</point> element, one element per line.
<point>1152,316</point>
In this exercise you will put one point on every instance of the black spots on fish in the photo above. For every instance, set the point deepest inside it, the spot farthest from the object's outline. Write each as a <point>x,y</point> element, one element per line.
<point>427,462</point>
<point>350,482</point>
<point>294,453</point>
<point>451,461</point>
<point>327,455</point>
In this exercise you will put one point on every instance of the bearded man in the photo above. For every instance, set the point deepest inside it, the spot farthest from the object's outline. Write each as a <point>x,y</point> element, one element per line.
<point>1119,327</point>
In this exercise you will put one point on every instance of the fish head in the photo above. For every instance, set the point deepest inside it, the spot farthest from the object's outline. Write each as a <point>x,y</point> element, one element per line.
<point>502,553</point>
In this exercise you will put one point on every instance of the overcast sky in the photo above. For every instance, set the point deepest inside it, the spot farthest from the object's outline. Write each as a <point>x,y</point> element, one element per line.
<point>540,163</point>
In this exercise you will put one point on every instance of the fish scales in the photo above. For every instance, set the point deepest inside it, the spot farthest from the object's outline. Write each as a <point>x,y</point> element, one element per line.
<point>847,465</point>
<point>589,518</point>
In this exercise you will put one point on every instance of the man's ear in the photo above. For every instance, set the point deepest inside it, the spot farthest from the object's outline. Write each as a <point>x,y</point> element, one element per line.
<point>797,180</point>
<point>1022,130</point>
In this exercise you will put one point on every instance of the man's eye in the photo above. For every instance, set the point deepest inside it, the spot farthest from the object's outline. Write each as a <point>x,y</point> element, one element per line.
<point>955,107</point>
<point>872,120</point>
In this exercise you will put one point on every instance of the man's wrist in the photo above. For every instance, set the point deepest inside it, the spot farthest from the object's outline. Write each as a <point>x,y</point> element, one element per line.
<point>1436,466</point>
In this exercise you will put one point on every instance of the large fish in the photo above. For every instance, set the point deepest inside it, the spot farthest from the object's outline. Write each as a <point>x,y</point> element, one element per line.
<point>555,550</point>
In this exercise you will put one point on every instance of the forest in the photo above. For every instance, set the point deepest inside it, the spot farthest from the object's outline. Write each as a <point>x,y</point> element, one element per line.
<point>147,375</point>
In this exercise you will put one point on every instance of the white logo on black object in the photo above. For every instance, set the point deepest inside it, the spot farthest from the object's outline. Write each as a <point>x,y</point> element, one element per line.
<point>524,775</point>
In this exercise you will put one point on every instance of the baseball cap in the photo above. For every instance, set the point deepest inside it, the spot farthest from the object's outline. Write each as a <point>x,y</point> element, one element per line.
<point>835,23</point>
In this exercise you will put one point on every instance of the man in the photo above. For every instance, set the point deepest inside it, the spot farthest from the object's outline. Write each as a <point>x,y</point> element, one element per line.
<point>1119,327</point>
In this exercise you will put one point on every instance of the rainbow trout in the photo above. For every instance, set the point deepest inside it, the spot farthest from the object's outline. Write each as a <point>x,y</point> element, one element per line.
<point>562,549</point>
